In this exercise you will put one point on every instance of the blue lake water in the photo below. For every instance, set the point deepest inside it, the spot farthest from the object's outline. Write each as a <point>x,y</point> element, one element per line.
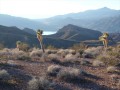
<point>48,32</point>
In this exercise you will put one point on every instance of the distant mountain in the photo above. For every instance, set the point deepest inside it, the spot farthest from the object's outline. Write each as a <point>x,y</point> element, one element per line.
<point>89,14</point>
<point>19,22</point>
<point>28,30</point>
<point>75,33</point>
<point>9,36</point>
<point>103,19</point>
<point>110,24</point>
<point>115,36</point>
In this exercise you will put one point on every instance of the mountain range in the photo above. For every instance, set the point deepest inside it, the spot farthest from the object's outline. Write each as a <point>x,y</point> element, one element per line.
<point>10,35</point>
<point>103,19</point>
<point>65,37</point>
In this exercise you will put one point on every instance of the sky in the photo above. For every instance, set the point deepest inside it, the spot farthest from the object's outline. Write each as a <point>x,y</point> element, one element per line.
<point>37,9</point>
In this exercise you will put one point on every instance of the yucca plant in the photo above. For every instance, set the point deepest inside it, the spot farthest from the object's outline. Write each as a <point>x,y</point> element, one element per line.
<point>104,39</point>
<point>18,44</point>
<point>40,38</point>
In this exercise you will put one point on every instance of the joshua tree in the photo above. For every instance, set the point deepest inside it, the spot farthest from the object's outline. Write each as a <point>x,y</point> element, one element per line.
<point>104,39</point>
<point>40,38</point>
<point>18,44</point>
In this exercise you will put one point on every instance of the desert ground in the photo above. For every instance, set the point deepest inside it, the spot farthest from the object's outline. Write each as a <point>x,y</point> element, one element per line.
<point>92,68</point>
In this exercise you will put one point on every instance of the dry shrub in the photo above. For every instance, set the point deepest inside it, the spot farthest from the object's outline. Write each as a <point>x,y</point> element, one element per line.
<point>92,52</point>
<point>1,46</point>
<point>70,57</point>
<point>4,75</point>
<point>13,54</point>
<point>48,51</point>
<point>97,63</point>
<point>63,52</point>
<point>20,55</point>
<point>85,62</point>
<point>53,56</point>
<point>73,52</point>
<point>53,70</point>
<point>112,69</point>
<point>36,53</point>
<point>39,84</point>
<point>72,75</point>
<point>108,60</point>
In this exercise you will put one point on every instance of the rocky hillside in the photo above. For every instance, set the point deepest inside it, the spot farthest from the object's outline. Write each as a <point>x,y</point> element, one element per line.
<point>75,33</point>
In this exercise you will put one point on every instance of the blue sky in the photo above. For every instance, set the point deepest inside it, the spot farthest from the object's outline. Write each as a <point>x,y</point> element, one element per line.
<point>34,9</point>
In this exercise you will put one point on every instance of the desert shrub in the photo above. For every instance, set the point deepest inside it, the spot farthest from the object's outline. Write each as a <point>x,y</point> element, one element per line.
<point>111,69</point>
<point>50,47</point>
<point>48,51</point>
<point>108,60</point>
<point>97,63</point>
<point>36,53</point>
<point>85,62</point>
<point>72,75</point>
<point>119,82</point>
<point>25,47</point>
<point>79,46</point>
<point>39,84</point>
<point>22,46</point>
<point>81,51</point>
<point>1,46</point>
<point>92,52</point>
<point>23,57</point>
<point>53,70</point>
<point>20,55</point>
<point>70,57</point>
<point>4,75</point>
<point>114,54</point>
<point>73,52</point>
<point>54,58</point>
<point>63,52</point>
<point>5,54</point>
<point>114,77</point>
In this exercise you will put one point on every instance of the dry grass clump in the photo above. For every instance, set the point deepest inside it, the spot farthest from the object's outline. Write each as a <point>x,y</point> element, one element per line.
<point>85,62</point>
<point>36,53</point>
<point>92,52</point>
<point>119,82</point>
<point>111,57</point>
<point>73,52</point>
<point>63,52</point>
<point>70,57</point>
<point>39,83</point>
<point>53,70</point>
<point>4,75</point>
<point>54,58</point>
<point>49,51</point>
<point>13,54</point>
<point>112,69</point>
<point>72,75</point>
<point>20,55</point>
<point>1,46</point>
<point>97,63</point>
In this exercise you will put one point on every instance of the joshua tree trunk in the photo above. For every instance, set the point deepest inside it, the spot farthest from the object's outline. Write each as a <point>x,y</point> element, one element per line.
<point>42,46</point>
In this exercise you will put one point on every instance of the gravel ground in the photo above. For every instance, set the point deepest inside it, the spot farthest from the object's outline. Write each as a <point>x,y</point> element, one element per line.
<point>22,71</point>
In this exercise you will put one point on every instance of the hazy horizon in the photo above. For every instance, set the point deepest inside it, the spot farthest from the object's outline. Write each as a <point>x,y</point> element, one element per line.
<point>38,9</point>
